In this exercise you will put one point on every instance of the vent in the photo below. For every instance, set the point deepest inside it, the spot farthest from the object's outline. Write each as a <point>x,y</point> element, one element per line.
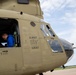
<point>23,1</point>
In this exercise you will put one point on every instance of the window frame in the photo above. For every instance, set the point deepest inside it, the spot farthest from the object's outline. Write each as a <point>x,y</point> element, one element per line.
<point>17,31</point>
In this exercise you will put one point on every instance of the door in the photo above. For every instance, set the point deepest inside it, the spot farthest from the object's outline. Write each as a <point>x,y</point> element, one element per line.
<point>10,57</point>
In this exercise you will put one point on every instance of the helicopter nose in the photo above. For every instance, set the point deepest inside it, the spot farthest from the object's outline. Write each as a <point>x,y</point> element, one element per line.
<point>69,53</point>
<point>68,47</point>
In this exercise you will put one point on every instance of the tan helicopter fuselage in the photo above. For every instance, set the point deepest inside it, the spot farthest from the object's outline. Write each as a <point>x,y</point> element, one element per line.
<point>35,54</point>
<point>34,51</point>
<point>33,8</point>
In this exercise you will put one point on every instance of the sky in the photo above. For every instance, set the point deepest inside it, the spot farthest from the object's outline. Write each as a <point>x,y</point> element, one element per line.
<point>61,14</point>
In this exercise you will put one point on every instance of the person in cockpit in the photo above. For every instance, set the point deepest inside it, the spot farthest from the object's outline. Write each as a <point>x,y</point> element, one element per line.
<point>10,39</point>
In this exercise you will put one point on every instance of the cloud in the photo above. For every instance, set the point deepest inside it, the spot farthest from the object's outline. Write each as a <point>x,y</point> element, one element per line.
<point>52,6</point>
<point>71,3</point>
<point>70,18</point>
<point>64,33</point>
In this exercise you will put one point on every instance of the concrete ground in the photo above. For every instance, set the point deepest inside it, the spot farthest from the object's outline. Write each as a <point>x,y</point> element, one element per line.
<point>62,72</point>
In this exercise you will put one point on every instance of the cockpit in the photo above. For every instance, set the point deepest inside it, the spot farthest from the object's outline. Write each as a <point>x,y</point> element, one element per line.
<point>55,44</point>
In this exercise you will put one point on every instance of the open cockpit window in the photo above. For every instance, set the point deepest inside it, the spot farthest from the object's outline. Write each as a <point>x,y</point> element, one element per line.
<point>50,31</point>
<point>9,33</point>
<point>47,31</point>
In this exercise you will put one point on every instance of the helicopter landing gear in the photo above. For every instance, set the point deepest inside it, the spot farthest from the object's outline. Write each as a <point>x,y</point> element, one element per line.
<point>41,74</point>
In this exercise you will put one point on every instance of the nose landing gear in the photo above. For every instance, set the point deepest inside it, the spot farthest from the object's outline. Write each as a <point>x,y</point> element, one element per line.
<point>41,74</point>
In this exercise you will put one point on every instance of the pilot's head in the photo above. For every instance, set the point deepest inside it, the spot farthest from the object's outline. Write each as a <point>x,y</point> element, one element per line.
<point>5,36</point>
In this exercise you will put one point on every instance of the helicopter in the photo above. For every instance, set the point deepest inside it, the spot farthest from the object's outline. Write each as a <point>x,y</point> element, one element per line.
<point>37,48</point>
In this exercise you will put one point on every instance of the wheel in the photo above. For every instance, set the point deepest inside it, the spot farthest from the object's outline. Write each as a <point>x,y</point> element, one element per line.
<point>41,74</point>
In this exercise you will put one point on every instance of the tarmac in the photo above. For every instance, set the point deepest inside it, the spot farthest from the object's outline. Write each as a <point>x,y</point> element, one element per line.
<point>62,72</point>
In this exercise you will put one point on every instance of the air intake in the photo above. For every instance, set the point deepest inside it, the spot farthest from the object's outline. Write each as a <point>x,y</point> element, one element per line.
<point>23,1</point>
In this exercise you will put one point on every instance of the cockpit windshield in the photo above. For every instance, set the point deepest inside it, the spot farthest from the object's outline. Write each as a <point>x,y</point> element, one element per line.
<point>66,45</point>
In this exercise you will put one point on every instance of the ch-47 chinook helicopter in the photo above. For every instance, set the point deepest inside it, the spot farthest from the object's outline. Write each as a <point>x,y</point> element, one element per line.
<point>37,48</point>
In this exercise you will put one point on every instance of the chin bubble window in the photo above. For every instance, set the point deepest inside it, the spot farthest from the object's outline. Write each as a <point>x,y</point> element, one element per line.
<point>54,44</point>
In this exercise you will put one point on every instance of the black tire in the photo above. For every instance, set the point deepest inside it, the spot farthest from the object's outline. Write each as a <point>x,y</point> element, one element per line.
<point>41,74</point>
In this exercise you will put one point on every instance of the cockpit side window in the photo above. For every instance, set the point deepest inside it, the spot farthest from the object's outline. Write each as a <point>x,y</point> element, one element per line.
<point>47,31</point>
<point>51,33</point>
<point>9,28</point>
<point>43,30</point>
